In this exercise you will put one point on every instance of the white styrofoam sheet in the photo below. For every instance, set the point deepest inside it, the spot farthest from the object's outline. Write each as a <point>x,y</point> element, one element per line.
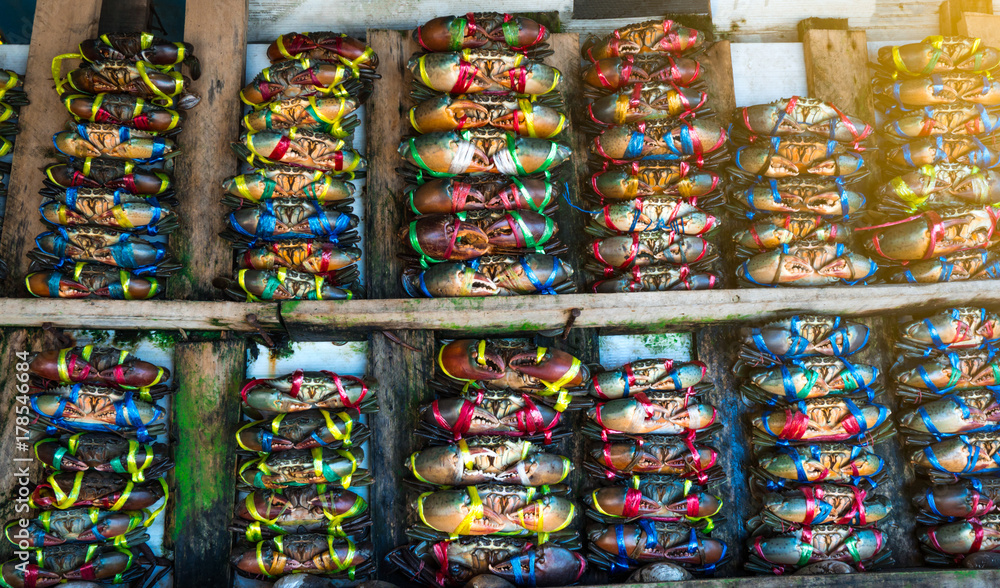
<point>14,57</point>
<point>764,72</point>
<point>256,61</point>
<point>347,358</point>
<point>617,350</point>
<point>147,349</point>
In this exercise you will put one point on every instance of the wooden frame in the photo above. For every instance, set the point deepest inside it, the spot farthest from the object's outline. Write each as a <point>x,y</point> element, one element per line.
<point>401,371</point>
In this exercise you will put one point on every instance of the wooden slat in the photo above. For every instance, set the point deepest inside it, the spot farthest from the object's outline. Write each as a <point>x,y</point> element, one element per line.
<point>13,341</point>
<point>206,413</point>
<point>144,315</point>
<point>638,9</point>
<point>899,484</point>
<point>640,312</point>
<point>58,27</point>
<point>386,111</point>
<point>718,76</point>
<point>571,222</point>
<point>718,348</point>
<point>985,26</point>
<point>919,578</point>
<point>125,16</point>
<point>206,159</point>
<point>837,70</point>
<point>947,27</point>
<point>647,311</point>
<point>402,375</point>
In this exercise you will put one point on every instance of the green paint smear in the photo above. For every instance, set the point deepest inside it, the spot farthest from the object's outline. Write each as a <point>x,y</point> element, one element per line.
<point>201,479</point>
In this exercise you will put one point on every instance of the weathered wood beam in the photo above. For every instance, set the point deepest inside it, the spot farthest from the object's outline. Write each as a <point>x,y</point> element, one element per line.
<point>639,312</point>
<point>125,16</point>
<point>12,342</point>
<point>912,578</point>
<point>386,112</point>
<point>139,314</point>
<point>837,70</point>
<point>206,159</point>
<point>401,375</point>
<point>646,311</point>
<point>984,26</point>
<point>206,413</point>
<point>59,26</point>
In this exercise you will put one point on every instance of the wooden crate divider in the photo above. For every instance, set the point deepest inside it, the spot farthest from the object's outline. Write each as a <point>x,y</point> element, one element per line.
<point>206,159</point>
<point>206,414</point>
<point>59,26</point>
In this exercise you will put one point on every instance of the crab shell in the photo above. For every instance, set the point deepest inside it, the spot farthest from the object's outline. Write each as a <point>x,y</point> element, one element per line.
<point>671,543</point>
<point>965,499</point>
<point>962,537</point>
<point>952,414</point>
<point>630,503</point>
<point>104,367</point>
<point>954,328</point>
<point>550,566</point>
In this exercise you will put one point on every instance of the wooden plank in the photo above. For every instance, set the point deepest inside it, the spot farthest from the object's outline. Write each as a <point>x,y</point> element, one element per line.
<point>386,111</point>
<point>206,159</point>
<point>718,347</point>
<point>13,341</point>
<point>639,9</point>
<point>402,375</point>
<point>898,486</point>
<point>837,70</point>
<point>985,26</point>
<point>137,314</point>
<point>808,24</point>
<point>639,312</point>
<point>645,311</point>
<point>125,16</point>
<point>718,62</point>
<point>572,222</point>
<point>206,412</point>
<point>947,26</point>
<point>59,26</point>
<point>919,578</point>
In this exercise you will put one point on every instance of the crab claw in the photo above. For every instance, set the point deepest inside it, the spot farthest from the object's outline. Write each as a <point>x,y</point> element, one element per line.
<point>551,365</point>
<point>449,279</point>
<point>444,113</point>
<point>471,359</point>
<point>446,237</point>
<point>47,451</point>
<point>546,566</point>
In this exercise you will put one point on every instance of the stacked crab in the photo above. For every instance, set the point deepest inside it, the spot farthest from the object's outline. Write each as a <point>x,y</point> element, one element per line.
<point>656,149</point>
<point>95,432</point>
<point>813,437</point>
<point>300,456</point>
<point>938,215</point>
<point>795,178</point>
<point>12,98</point>
<point>950,368</point>
<point>291,220</point>
<point>654,503</point>
<point>495,502</point>
<point>110,204</point>
<point>480,167</point>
